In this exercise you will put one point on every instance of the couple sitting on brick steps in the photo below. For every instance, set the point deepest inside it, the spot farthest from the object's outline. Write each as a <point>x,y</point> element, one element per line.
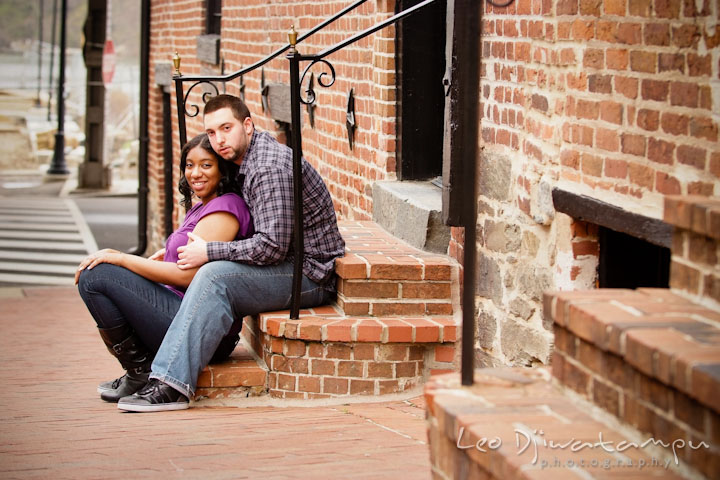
<point>164,339</point>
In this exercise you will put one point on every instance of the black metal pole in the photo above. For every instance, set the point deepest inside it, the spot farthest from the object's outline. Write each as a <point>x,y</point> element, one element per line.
<point>52,59</point>
<point>58,165</point>
<point>40,40</point>
<point>467,23</point>
<point>143,128</point>
<point>167,163</point>
<point>296,142</point>
<point>180,109</point>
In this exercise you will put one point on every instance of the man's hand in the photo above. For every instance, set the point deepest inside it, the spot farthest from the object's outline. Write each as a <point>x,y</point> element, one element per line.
<point>194,254</point>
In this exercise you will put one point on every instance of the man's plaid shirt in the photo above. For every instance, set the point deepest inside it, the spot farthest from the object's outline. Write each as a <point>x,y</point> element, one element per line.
<point>266,174</point>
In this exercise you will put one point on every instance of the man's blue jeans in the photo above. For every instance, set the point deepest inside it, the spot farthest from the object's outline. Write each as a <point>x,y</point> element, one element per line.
<point>220,293</point>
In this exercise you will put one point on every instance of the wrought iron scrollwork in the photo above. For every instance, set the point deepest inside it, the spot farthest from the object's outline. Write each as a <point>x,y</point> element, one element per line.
<point>321,80</point>
<point>195,109</point>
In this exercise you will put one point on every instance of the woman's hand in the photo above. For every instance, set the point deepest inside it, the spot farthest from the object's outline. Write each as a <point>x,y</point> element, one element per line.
<point>107,255</point>
<point>159,255</point>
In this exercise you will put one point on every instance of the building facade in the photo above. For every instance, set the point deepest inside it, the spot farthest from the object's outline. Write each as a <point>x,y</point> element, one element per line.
<point>591,112</point>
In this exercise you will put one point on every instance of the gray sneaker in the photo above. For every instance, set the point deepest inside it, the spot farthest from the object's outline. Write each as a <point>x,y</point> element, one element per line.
<point>156,396</point>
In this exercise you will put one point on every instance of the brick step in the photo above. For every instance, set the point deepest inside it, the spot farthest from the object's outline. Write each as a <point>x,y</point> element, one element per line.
<point>391,327</point>
<point>328,354</point>
<point>648,357</point>
<point>381,275</point>
<point>239,376</point>
<point>514,423</point>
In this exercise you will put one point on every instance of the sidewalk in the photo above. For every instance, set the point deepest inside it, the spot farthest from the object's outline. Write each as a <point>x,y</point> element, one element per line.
<point>54,425</point>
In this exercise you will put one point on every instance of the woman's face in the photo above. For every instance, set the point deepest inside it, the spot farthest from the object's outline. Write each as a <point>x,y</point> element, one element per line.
<point>202,173</point>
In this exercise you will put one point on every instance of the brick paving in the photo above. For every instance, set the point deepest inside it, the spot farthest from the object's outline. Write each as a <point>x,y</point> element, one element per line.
<point>54,425</point>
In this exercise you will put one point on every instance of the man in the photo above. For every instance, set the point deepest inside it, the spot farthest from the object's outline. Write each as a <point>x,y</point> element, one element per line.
<point>248,276</point>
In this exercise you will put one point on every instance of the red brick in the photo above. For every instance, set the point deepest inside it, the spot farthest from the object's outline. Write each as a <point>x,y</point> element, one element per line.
<point>616,59</point>
<point>316,350</point>
<point>351,266</point>
<point>692,156</point>
<point>294,348</point>
<point>369,289</point>
<point>340,331</point>
<point>655,90</point>
<point>362,387</point>
<point>699,65</point>
<point>362,351</point>
<point>668,62</point>
<point>444,353</point>
<point>322,367</point>
<point>616,168</point>
<point>594,58</point>
<point>607,139</point>
<point>379,370</point>
<point>369,330</point>
<point>425,331</point>
<point>627,87</point>
<point>641,175</point>
<point>641,8</point>
<point>667,184</point>
<point>684,94</point>
<point>335,386</point>
<point>661,151</point>
<point>396,272</point>
<point>607,397</point>
<point>674,124</point>
<point>685,35</point>
<point>667,9</point>
<point>397,330</point>
<point>657,34</point>
<point>350,369</point>
<point>611,112</point>
<point>389,309</point>
<point>416,352</point>
<point>388,386</point>
<point>338,351</point>
<point>648,119</point>
<point>286,382</point>
<point>426,290</point>
<point>633,144</point>
<point>629,33</point>
<point>643,61</point>
<point>704,127</point>
<point>309,384</point>
<point>615,7</point>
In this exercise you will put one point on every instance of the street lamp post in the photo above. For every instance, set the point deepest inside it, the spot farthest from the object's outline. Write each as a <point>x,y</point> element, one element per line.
<point>52,58</point>
<point>40,39</point>
<point>58,166</point>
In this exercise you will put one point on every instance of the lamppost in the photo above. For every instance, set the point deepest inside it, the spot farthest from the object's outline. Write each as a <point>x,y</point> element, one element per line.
<point>40,39</point>
<point>52,58</point>
<point>58,166</point>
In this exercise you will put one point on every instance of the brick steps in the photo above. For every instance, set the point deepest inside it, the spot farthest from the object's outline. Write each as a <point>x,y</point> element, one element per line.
<point>392,326</point>
<point>514,424</point>
<point>239,376</point>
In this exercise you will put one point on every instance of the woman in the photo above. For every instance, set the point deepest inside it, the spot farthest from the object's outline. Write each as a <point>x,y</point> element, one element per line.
<point>134,299</point>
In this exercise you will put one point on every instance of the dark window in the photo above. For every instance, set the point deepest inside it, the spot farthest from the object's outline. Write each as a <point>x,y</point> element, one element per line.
<point>629,262</point>
<point>214,14</point>
<point>421,100</point>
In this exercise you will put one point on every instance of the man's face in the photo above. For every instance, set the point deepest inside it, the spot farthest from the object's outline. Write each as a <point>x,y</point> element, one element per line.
<point>228,136</point>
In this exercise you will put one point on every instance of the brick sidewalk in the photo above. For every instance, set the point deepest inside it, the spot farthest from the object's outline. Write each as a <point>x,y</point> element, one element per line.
<point>54,425</point>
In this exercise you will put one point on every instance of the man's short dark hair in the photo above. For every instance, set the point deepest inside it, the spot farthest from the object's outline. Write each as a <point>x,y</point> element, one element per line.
<point>239,109</point>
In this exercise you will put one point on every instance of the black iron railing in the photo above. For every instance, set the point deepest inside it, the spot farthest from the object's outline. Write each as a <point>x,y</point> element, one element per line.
<point>467,22</point>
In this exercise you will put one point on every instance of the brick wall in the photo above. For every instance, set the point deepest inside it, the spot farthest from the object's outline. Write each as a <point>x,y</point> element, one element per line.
<point>613,99</point>
<point>252,30</point>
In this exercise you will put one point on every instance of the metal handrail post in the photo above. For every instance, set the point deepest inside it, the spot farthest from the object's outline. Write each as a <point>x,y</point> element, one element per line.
<point>294,58</point>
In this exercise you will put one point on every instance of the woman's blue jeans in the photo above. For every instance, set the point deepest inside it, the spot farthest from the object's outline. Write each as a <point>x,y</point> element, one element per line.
<point>115,296</point>
<point>223,292</point>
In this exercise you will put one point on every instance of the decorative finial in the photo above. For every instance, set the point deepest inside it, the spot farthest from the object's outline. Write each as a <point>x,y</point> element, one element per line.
<point>292,38</point>
<point>176,64</point>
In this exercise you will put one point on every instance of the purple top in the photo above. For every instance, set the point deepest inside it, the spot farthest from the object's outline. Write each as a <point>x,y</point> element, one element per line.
<point>230,202</point>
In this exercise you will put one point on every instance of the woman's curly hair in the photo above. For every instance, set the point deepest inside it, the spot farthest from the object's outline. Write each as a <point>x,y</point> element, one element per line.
<point>228,171</point>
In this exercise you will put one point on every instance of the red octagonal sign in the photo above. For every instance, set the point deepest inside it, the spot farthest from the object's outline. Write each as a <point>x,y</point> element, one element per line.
<point>108,62</point>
